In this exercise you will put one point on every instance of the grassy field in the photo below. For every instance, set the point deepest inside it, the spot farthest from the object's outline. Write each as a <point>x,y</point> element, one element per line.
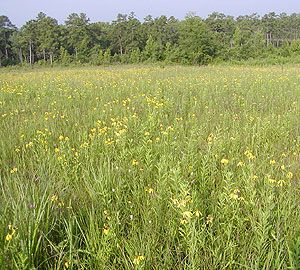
<point>150,168</point>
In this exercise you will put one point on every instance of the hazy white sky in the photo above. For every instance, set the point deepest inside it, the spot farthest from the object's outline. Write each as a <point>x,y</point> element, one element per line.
<point>19,11</point>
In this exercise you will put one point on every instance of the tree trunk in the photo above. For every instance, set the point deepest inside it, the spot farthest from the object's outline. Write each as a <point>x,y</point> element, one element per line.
<point>44,54</point>
<point>20,56</point>
<point>30,53</point>
<point>51,58</point>
<point>121,47</point>
<point>6,52</point>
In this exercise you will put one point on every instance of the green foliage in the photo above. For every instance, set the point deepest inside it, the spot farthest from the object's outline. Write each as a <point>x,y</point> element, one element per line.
<point>163,39</point>
<point>151,52</point>
<point>79,36</point>
<point>125,34</point>
<point>65,57</point>
<point>47,33</point>
<point>96,56</point>
<point>248,44</point>
<point>196,41</point>
<point>7,30</point>
<point>295,47</point>
<point>135,56</point>
<point>172,53</point>
<point>107,57</point>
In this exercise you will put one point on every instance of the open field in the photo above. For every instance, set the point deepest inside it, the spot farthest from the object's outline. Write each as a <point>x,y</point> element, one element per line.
<point>150,168</point>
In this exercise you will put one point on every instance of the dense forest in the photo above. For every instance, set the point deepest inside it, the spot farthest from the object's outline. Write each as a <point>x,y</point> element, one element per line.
<point>193,40</point>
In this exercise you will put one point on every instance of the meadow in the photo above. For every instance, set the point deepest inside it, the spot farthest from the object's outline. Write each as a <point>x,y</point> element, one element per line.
<point>150,168</point>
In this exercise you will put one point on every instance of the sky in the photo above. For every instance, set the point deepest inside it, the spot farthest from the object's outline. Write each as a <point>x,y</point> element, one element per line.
<point>20,11</point>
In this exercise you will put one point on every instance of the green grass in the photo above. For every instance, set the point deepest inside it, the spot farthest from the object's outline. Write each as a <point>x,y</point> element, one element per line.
<point>150,168</point>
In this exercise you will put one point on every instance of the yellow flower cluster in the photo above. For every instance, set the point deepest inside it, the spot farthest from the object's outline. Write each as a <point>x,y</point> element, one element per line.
<point>138,259</point>
<point>249,154</point>
<point>11,233</point>
<point>224,161</point>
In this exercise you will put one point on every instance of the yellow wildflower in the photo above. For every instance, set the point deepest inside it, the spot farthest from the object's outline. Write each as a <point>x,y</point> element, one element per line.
<point>66,264</point>
<point>54,198</point>
<point>84,145</point>
<point>209,219</point>
<point>183,221</point>
<point>105,229</point>
<point>280,183</point>
<point>61,204</point>
<point>249,154</point>
<point>187,214</point>
<point>224,161</point>
<point>8,237</point>
<point>272,162</point>
<point>210,138</point>
<point>138,259</point>
<point>197,213</point>
<point>30,144</point>
<point>150,190</point>
<point>235,195</point>
<point>13,170</point>
<point>109,141</point>
<point>272,181</point>
<point>241,164</point>
<point>134,162</point>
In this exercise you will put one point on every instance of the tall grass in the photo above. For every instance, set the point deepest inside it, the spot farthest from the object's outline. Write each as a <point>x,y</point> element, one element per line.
<point>150,168</point>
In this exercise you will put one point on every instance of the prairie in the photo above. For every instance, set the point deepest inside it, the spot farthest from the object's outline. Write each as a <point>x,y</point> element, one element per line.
<point>150,168</point>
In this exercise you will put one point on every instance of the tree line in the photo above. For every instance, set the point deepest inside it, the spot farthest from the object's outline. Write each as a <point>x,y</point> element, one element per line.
<point>193,40</point>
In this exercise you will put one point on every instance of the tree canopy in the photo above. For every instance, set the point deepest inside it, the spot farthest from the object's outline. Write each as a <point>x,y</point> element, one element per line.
<point>193,40</point>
